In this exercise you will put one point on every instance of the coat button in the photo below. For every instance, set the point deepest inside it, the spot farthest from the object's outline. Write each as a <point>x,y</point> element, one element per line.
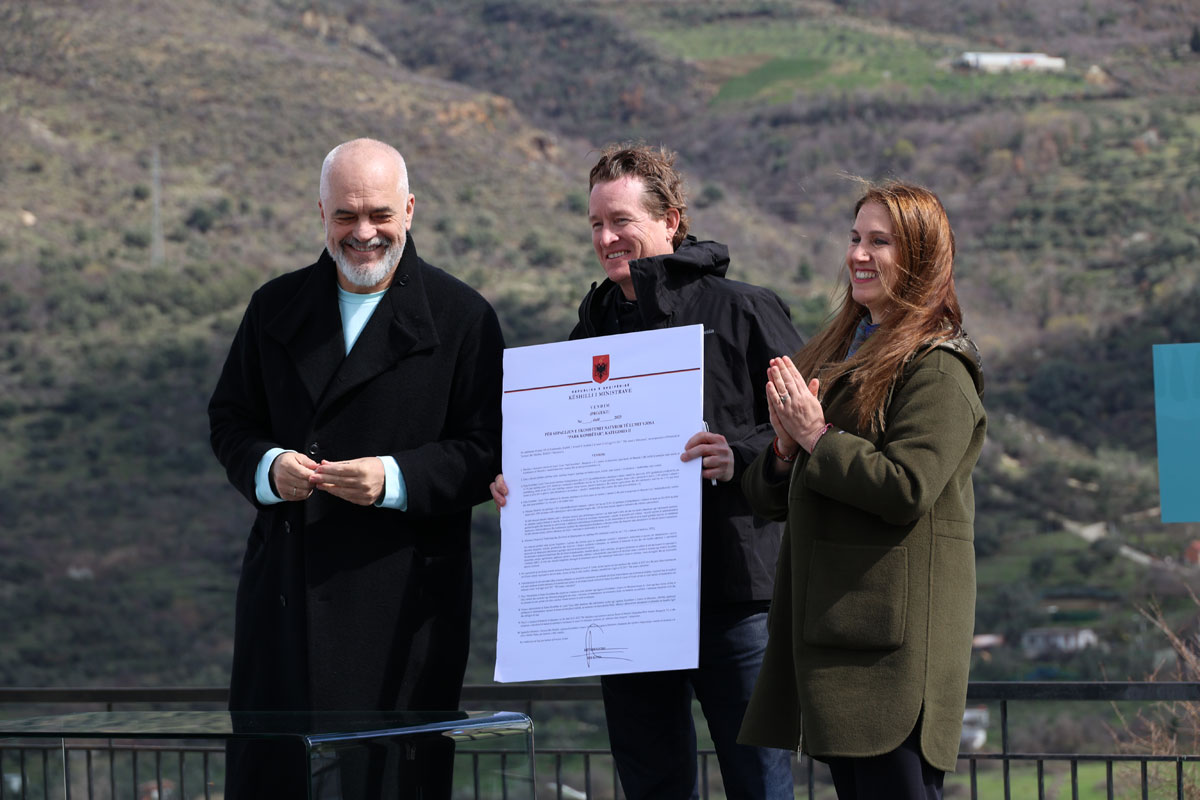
<point>314,450</point>
<point>283,601</point>
<point>287,527</point>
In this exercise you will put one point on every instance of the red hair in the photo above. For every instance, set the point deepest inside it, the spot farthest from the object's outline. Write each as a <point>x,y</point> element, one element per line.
<point>923,306</point>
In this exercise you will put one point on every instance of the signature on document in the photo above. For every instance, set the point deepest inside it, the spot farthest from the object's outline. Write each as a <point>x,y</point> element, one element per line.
<point>592,650</point>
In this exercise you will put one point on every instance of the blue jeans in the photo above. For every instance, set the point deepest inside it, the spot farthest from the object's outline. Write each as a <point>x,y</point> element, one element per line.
<point>650,726</point>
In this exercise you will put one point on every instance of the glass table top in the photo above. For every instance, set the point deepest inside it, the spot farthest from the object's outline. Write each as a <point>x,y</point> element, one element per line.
<point>315,726</point>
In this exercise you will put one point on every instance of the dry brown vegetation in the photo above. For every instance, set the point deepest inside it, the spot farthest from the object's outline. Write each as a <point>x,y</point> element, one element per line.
<point>1167,728</point>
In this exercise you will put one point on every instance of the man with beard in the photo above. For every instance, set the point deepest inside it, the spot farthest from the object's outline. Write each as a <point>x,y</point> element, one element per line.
<point>359,412</point>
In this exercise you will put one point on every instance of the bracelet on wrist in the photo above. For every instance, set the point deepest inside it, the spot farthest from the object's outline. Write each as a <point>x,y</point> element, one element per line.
<point>820,433</point>
<point>779,455</point>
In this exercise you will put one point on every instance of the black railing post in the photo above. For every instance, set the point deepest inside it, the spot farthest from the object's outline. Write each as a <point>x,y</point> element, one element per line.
<point>1004,746</point>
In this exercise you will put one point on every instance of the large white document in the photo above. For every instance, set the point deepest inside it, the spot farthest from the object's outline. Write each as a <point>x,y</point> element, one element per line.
<point>600,537</point>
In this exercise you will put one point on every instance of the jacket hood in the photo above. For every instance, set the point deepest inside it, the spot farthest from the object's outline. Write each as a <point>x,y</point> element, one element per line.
<point>968,353</point>
<point>690,258</point>
<point>661,283</point>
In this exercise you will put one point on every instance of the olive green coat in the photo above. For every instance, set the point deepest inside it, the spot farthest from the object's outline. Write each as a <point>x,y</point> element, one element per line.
<point>874,603</point>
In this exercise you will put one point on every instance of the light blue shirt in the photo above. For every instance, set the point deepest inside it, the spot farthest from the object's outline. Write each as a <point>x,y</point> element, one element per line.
<point>356,309</point>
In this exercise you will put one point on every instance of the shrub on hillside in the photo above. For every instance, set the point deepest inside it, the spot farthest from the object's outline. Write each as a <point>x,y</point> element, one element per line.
<point>1169,728</point>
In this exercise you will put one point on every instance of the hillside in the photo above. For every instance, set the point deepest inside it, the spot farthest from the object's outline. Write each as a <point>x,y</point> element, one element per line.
<point>123,539</point>
<point>159,163</point>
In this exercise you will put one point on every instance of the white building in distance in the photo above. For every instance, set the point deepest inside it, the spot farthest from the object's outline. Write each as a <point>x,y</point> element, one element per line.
<point>1010,62</point>
<point>1048,642</point>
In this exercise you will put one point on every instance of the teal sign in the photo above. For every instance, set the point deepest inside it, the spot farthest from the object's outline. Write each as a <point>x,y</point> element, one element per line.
<point>1177,419</point>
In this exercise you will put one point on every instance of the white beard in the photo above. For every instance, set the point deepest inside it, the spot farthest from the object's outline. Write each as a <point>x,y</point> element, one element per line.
<point>368,276</point>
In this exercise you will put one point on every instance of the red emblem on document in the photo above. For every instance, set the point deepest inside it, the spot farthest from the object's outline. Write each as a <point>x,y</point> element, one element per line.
<point>600,368</point>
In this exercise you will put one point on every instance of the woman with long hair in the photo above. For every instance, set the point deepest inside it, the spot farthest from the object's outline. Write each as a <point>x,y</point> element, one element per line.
<point>879,424</point>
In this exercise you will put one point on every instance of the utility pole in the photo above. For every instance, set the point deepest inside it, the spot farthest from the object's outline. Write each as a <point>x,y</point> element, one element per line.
<point>157,246</point>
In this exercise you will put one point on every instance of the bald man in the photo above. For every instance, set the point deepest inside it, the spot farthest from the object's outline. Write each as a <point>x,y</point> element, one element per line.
<point>359,413</point>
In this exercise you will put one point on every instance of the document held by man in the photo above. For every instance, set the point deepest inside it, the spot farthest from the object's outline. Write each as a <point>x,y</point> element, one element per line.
<point>600,536</point>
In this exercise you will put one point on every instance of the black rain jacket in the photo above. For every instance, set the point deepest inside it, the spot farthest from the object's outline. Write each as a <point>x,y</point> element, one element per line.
<point>745,327</point>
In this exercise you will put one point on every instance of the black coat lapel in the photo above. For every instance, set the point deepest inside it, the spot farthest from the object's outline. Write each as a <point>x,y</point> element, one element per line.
<point>310,328</point>
<point>401,324</point>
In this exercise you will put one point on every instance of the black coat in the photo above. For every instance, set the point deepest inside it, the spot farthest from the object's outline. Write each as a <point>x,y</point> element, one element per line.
<point>745,327</point>
<point>342,606</point>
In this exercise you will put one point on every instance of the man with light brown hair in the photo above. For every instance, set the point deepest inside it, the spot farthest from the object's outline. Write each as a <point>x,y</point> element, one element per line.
<point>657,277</point>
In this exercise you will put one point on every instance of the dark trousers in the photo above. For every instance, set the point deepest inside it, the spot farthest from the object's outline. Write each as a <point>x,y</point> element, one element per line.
<point>899,775</point>
<point>650,725</point>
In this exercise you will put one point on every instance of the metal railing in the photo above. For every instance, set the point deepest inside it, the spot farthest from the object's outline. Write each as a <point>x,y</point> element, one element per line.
<point>172,769</point>
<point>108,770</point>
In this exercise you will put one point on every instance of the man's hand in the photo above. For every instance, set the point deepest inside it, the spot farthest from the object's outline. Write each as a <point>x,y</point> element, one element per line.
<point>292,473</point>
<point>499,491</point>
<point>360,481</point>
<point>715,454</point>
